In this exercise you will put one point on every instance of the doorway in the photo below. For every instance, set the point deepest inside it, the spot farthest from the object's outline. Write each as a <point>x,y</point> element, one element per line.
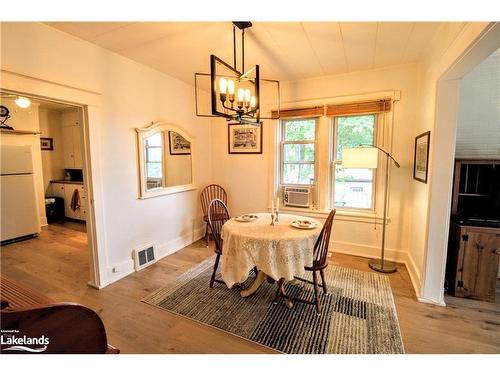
<point>54,132</point>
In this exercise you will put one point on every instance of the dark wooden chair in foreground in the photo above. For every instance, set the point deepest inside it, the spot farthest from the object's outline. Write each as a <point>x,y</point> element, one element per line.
<point>208,194</point>
<point>69,328</point>
<point>320,262</point>
<point>217,216</point>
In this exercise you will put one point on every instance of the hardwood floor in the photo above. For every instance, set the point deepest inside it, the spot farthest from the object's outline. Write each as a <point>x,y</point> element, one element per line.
<point>56,264</point>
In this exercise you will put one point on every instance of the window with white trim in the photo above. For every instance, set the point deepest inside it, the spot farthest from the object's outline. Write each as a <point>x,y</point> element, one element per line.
<point>352,188</point>
<point>298,151</point>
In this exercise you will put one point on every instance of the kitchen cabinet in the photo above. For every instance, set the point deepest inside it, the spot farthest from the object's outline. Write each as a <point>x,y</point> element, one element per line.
<point>72,140</point>
<point>68,194</point>
<point>66,191</point>
<point>473,261</point>
<point>57,189</point>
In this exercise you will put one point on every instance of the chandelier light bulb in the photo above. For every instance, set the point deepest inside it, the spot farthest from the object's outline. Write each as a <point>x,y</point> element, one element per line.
<point>252,102</point>
<point>230,87</point>
<point>223,85</point>
<point>241,95</point>
<point>22,102</point>
<point>247,96</point>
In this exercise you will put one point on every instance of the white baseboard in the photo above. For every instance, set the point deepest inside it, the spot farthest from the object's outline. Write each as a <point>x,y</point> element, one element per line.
<point>414,275</point>
<point>425,300</point>
<point>95,286</point>
<point>369,251</point>
<point>179,243</point>
<point>119,271</point>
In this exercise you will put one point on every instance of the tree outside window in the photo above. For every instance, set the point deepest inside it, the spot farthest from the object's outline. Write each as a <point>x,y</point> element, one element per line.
<point>298,152</point>
<point>352,188</point>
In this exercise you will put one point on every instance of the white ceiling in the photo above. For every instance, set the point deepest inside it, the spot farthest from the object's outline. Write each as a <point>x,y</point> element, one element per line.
<point>284,50</point>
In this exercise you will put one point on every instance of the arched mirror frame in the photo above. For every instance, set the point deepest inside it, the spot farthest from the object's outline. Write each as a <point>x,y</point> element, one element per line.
<point>147,131</point>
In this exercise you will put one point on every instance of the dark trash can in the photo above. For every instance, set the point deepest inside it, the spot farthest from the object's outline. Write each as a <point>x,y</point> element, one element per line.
<point>54,209</point>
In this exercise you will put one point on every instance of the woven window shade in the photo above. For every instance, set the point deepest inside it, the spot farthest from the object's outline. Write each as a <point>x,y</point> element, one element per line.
<point>299,112</point>
<point>358,108</point>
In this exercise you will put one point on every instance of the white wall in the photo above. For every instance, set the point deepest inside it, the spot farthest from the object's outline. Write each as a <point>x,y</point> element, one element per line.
<point>27,119</point>
<point>52,161</point>
<point>478,130</point>
<point>122,95</point>
<point>249,178</point>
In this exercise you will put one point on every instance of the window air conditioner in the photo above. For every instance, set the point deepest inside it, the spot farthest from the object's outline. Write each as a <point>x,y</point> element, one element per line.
<point>297,197</point>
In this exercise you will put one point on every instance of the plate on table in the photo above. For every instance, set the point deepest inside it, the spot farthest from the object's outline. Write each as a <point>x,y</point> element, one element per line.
<point>246,218</point>
<point>304,224</point>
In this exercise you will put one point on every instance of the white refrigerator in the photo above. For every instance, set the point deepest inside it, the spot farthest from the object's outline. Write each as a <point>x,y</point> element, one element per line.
<point>19,211</point>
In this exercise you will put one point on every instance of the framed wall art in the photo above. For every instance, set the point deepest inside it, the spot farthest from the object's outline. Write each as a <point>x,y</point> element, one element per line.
<point>421,157</point>
<point>244,139</point>
<point>178,145</point>
<point>47,144</point>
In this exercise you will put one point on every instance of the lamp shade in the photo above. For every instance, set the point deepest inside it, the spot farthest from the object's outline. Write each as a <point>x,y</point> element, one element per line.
<point>360,157</point>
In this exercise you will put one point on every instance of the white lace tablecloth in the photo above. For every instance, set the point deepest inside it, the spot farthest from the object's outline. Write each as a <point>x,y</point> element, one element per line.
<point>279,250</point>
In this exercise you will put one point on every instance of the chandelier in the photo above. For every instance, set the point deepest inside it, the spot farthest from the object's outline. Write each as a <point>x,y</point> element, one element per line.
<point>236,94</point>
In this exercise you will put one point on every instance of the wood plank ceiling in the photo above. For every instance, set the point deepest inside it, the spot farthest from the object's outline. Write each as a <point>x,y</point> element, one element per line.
<point>284,50</point>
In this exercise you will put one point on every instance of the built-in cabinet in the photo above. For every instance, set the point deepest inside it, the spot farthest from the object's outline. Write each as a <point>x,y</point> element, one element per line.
<point>473,259</point>
<point>66,191</point>
<point>472,266</point>
<point>72,140</point>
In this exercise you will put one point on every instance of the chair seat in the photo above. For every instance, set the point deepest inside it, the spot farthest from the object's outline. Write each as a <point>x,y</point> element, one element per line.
<point>316,266</point>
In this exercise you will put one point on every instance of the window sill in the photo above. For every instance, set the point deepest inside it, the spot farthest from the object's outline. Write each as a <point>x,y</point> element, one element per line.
<point>342,215</point>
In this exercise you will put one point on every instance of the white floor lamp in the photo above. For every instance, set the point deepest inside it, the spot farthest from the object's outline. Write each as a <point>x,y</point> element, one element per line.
<point>366,157</point>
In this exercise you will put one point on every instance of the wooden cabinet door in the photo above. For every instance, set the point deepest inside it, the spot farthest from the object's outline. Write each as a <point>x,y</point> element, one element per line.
<point>83,203</point>
<point>480,263</point>
<point>77,147</point>
<point>68,212</point>
<point>68,147</point>
<point>57,190</point>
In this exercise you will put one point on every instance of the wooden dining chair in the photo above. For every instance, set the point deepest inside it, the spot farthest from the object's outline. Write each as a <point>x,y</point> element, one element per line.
<point>217,215</point>
<point>208,194</point>
<point>320,262</point>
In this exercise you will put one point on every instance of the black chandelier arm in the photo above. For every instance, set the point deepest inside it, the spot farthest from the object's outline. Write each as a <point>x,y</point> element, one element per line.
<point>252,112</point>
<point>247,113</point>
<point>226,107</point>
<point>381,149</point>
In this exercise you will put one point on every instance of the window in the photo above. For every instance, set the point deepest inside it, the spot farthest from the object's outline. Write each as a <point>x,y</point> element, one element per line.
<point>154,160</point>
<point>352,188</point>
<point>298,151</point>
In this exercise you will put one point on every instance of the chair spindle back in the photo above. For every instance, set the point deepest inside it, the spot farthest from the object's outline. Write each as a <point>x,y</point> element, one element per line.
<point>217,216</point>
<point>209,193</point>
<point>320,251</point>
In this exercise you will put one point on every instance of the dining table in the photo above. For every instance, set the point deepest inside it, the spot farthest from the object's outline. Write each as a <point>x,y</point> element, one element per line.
<point>278,249</point>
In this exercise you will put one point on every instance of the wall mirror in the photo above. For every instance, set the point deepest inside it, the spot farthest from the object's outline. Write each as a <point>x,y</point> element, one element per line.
<point>165,159</point>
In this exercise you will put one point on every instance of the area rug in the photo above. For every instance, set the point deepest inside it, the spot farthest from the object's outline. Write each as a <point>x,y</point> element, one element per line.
<point>358,313</point>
